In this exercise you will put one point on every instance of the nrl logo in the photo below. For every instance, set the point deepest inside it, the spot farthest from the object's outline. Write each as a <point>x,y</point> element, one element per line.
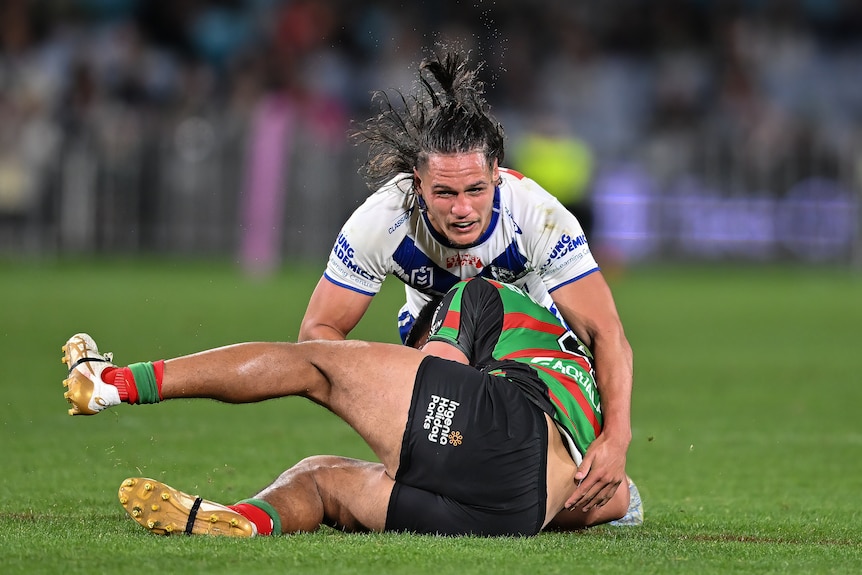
<point>422,277</point>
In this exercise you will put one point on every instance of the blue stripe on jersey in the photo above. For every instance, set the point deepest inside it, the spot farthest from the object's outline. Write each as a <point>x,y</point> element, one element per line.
<point>574,279</point>
<point>420,271</point>
<point>347,286</point>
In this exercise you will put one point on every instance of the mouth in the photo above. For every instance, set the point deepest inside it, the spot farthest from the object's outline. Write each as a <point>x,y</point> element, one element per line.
<point>463,226</point>
<point>463,233</point>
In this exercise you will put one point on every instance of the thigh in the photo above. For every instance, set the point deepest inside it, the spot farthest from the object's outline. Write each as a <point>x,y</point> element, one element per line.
<point>369,386</point>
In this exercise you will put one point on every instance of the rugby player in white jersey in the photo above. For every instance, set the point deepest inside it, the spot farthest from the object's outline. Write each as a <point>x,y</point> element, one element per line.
<point>446,210</point>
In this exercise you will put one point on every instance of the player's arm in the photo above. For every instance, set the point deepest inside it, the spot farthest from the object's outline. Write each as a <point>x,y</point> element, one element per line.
<point>332,312</point>
<point>588,307</point>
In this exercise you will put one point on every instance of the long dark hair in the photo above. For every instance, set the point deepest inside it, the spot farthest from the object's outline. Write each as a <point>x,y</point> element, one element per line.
<point>447,115</point>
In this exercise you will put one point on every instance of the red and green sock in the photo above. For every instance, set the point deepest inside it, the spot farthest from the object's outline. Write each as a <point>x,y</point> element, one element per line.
<point>137,383</point>
<point>262,514</point>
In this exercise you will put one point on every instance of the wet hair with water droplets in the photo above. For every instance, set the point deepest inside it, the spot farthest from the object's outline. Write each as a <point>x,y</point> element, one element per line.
<point>447,115</point>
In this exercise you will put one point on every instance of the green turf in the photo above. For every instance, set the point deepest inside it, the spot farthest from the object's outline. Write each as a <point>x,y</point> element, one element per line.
<point>747,437</point>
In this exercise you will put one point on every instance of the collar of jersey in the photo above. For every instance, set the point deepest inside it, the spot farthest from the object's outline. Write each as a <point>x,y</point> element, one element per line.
<point>495,215</point>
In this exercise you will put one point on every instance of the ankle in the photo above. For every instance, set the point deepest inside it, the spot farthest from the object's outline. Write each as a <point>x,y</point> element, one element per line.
<point>124,381</point>
<point>261,513</point>
<point>137,383</point>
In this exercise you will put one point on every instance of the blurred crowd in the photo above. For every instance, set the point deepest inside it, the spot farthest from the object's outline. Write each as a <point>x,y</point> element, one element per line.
<point>752,95</point>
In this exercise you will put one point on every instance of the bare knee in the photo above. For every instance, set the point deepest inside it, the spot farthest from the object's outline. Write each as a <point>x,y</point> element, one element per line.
<point>344,487</point>
<point>328,490</point>
<point>315,465</point>
<point>297,497</point>
<point>311,472</point>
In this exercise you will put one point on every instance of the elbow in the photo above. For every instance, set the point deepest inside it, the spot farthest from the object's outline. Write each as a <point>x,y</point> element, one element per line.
<point>314,331</point>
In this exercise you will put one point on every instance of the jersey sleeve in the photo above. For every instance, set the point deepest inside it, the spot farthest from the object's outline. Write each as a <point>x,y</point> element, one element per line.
<point>470,317</point>
<point>360,259</point>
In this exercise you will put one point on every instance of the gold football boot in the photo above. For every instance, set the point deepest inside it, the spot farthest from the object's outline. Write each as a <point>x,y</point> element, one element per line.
<point>87,393</point>
<point>164,510</point>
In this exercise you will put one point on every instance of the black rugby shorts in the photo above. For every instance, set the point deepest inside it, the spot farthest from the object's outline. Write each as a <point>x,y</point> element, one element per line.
<point>474,456</point>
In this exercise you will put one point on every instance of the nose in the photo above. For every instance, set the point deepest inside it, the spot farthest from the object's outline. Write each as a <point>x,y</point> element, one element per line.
<point>461,207</point>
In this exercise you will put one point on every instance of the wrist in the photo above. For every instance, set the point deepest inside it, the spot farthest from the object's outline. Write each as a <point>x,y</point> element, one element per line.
<point>620,435</point>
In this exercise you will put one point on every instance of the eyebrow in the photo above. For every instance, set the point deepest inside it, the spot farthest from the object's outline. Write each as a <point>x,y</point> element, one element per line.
<point>444,187</point>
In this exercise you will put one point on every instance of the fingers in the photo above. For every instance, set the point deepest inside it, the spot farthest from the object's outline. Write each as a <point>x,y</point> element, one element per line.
<point>586,499</point>
<point>600,473</point>
<point>592,493</point>
<point>584,469</point>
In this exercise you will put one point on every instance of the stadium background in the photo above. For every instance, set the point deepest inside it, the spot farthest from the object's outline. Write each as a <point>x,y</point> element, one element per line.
<point>701,130</point>
<point>132,134</point>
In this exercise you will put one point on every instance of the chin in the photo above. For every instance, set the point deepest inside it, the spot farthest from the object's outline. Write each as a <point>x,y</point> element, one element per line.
<point>462,243</point>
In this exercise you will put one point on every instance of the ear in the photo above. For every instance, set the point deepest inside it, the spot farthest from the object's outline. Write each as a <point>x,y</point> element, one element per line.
<point>417,188</point>
<point>495,171</point>
<point>417,181</point>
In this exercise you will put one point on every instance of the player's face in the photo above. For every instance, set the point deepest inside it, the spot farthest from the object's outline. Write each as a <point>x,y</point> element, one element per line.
<point>458,190</point>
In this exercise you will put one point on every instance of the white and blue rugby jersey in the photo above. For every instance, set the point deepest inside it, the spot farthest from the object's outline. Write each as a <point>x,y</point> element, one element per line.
<point>532,242</point>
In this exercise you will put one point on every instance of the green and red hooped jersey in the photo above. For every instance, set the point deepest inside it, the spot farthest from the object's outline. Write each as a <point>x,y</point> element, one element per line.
<point>492,322</point>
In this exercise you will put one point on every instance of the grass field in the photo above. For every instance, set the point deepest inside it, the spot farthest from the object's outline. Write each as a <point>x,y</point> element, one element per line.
<point>747,437</point>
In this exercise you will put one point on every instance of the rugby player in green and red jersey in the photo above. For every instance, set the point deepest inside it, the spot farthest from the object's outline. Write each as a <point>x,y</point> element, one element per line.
<point>498,328</point>
<point>478,433</point>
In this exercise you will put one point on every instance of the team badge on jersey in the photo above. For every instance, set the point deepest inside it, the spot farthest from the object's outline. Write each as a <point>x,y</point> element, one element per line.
<point>507,275</point>
<point>422,277</point>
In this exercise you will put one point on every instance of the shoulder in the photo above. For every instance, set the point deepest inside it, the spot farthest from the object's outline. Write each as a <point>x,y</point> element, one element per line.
<point>393,196</point>
<point>532,207</point>
<point>524,195</point>
<point>479,284</point>
<point>373,232</point>
<point>384,212</point>
<point>477,292</point>
<point>468,308</point>
<point>518,182</point>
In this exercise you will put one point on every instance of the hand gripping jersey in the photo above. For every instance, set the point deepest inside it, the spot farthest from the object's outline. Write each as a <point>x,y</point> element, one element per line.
<point>532,241</point>
<point>501,329</point>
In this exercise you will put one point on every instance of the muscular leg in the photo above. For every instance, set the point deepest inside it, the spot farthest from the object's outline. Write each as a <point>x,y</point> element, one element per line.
<point>368,385</point>
<point>328,490</point>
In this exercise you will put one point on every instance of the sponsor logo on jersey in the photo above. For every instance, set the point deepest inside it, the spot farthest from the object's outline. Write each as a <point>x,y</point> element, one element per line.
<point>401,219</point>
<point>561,264</point>
<point>565,245</point>
<point>587,384</point>
<point>438,421</point>
<point>422,277</point>
<point>512,219</point>
<point>462,260</point>
<point>343,253</point>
